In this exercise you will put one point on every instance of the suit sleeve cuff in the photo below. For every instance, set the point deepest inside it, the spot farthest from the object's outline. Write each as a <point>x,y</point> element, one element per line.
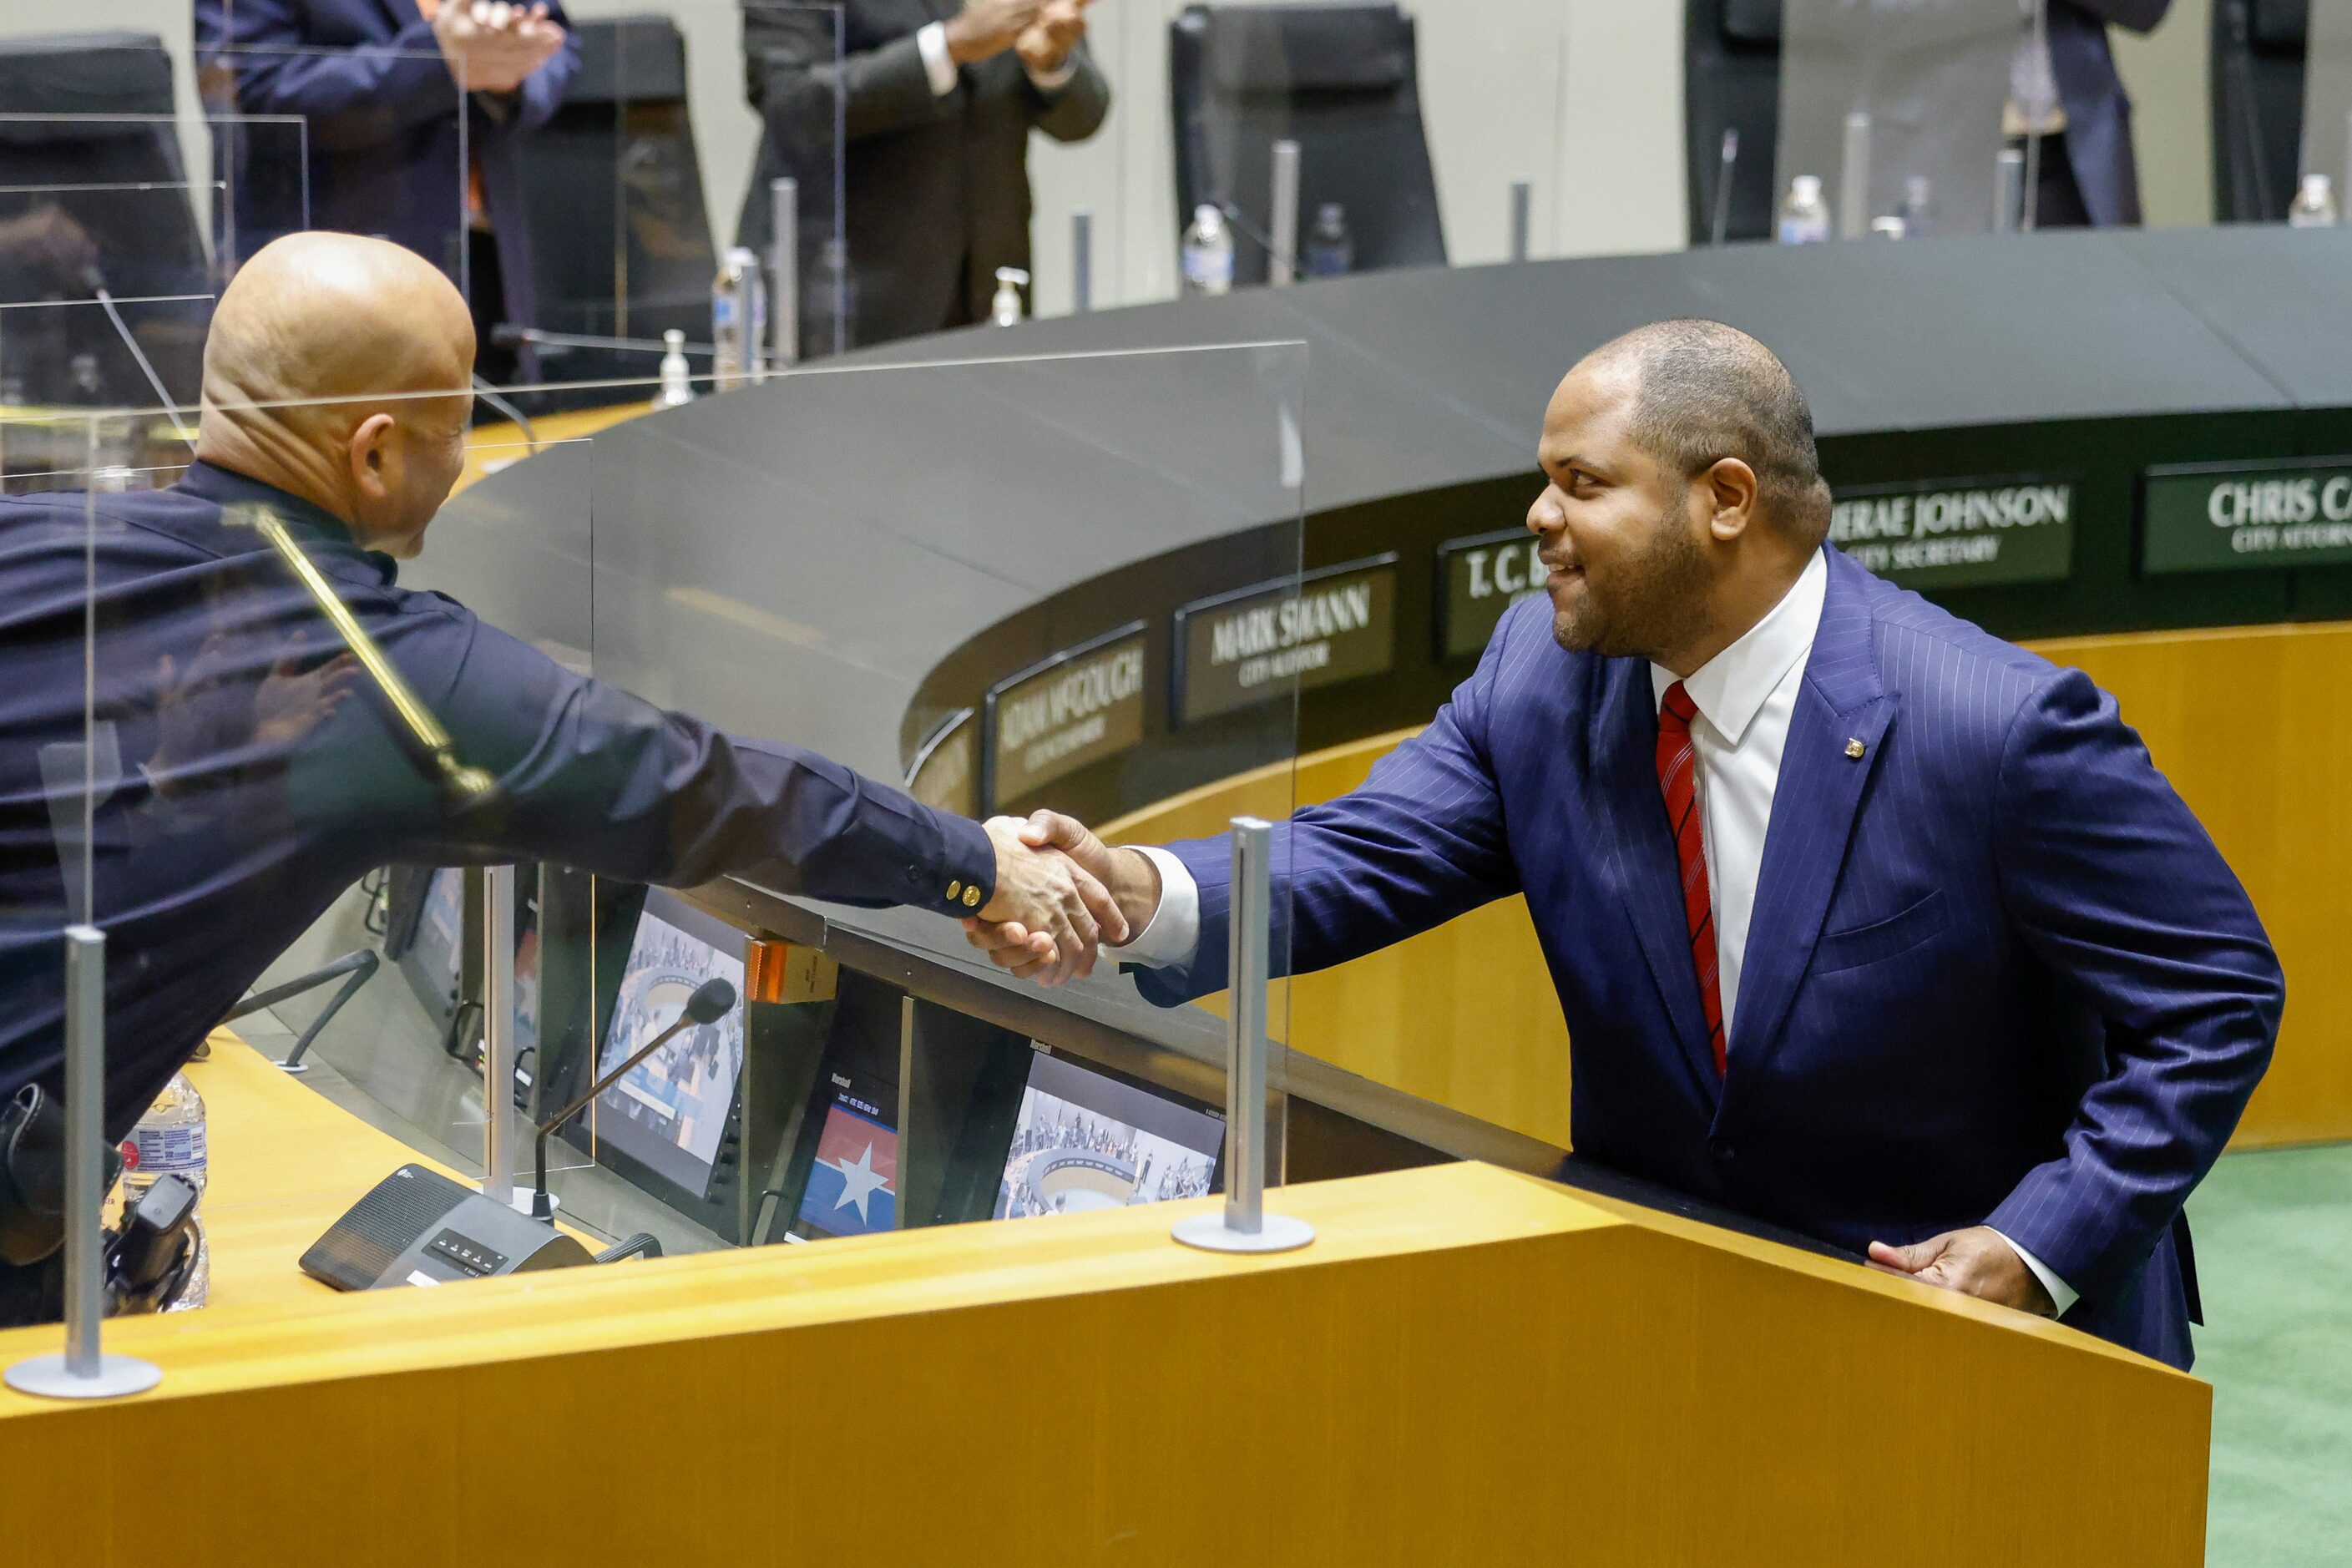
<point>938,66</point>
<point>2062,1295</point>
<point>965,879</point>
<point>1173,932</point>
<point>1054,80</point>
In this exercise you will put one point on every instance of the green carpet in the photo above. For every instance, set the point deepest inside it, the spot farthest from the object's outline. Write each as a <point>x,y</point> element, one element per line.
<point>2274,1253</point>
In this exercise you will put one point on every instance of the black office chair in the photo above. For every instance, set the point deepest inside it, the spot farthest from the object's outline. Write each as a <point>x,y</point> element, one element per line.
<point>107,194</point>
<point>1731,81</point>
<point>614,190</point>
<point>1341,81</point>
<point>2256,80</point>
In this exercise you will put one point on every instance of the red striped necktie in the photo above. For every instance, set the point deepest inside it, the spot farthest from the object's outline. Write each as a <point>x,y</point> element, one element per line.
<point>1678,778</point>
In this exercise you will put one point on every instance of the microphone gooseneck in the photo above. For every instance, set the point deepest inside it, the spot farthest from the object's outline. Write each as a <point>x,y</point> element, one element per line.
<point>711,1001</point>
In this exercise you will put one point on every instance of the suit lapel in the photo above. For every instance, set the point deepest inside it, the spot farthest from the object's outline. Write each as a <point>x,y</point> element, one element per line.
<point>1842,704</point>
<point>1640,858</point>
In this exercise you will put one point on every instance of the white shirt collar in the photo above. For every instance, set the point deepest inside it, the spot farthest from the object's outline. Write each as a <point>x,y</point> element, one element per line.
<point>1729,688</point>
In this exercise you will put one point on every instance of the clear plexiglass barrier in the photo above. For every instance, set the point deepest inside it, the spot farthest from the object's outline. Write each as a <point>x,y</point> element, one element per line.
<point>1900,110</point>
<point>578,808</point>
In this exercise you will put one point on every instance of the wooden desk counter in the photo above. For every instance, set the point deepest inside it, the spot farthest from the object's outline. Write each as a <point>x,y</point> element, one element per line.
<point>1466,1366</point>
<point>284,1163</point>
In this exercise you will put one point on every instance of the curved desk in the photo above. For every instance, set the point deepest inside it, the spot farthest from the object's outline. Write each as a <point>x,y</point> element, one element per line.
<point>2114,443</point>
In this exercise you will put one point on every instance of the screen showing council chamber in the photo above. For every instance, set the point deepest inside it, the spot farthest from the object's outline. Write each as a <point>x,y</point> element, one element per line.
<point>1086,1140</point>
<point>670,1111</point>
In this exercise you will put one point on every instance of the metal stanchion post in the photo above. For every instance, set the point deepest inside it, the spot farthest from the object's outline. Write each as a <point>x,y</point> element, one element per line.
<point>2344,185</point>
<point>1283,266</point>
<point>1081,262</point>
<point>1523,196</point>
<point>2008,189</point>
<point>498,1037</point>
<point>85,1370</point>
<point>785,271</point>
<point>1245,1226</point>
<point>1853,179</point>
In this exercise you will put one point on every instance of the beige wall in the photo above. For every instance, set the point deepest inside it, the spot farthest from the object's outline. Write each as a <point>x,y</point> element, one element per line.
<point>2172,122</point>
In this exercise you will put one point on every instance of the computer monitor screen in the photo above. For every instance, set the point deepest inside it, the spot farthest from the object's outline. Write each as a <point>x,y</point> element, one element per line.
<point>1086,1140</point>
<point>669,1111</point>
<point>431,960</point>
<point>853,1187</point>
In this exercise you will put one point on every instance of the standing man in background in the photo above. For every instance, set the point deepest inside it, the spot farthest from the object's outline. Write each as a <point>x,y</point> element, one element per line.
<point>935,101</point>
<point>379,83</point>
<point>2064,86</point>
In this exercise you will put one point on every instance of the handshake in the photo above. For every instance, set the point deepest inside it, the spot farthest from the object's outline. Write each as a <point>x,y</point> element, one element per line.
<point>1061,895</point>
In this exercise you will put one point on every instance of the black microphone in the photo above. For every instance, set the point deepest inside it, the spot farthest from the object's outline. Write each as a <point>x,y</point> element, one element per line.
<point>712,1000</point>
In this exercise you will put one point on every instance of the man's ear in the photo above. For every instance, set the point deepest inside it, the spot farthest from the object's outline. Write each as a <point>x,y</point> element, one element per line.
<point>371,457</point>
<point>1730,490</point>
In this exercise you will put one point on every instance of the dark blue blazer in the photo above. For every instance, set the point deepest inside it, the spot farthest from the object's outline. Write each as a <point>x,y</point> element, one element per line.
<point>383,114</point>
<point>1996,974</point>
<point>2098,112</point>
<point>230,813</point>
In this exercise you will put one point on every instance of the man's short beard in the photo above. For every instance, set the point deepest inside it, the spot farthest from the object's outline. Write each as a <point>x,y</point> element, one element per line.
<point>1658,601</point>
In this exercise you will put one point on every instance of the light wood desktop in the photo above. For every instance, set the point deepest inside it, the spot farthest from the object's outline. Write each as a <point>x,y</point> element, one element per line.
<point>1467,1366</point>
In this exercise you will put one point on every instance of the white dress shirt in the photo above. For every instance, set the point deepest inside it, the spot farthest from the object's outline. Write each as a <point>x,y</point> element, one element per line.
<point>1746,697</point>
<point>939,64</point>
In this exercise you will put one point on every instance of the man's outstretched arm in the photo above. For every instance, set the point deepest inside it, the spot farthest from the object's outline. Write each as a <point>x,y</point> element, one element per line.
<point>1421,842</point>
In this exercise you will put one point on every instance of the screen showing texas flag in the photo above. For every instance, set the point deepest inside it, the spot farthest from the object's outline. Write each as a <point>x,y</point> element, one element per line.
<point>853,1188</point>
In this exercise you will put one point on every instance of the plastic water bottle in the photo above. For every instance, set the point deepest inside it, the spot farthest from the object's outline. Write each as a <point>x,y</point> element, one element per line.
<point>1208,253</point>
<point>739,319</point>
<point>1805,216</point>
<point>1919,207</point>
<point>676,380</point>
<point>1330,248</point>
<point>169,1141</point>
<point>2314,203</point>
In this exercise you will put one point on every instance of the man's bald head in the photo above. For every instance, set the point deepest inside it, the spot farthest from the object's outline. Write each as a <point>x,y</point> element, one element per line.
<point>318,353</point>
<point>1702,392</point>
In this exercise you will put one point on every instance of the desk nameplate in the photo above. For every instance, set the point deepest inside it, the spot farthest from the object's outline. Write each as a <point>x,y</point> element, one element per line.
<point>1078,708</point>
<point>2246,517</point>
<point>1258,643</point>
<point>1960,533</point>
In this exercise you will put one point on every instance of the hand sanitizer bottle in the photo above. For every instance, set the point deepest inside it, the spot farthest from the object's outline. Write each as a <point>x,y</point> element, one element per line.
<point>1005,309</point>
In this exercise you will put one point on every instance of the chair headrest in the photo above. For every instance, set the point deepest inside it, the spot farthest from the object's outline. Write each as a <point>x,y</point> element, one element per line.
<point>628,59</point>
<point>83,73</point>
<point>1307,48</point>
<point>2281,24</point>
<point>1752,22</point>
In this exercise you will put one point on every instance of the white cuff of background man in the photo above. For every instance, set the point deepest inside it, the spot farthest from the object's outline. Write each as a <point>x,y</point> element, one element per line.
<point>1174,931</point>
<point>931,43</point>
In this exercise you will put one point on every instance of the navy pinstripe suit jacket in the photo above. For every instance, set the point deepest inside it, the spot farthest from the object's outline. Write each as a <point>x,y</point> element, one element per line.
<point>1996,973</point>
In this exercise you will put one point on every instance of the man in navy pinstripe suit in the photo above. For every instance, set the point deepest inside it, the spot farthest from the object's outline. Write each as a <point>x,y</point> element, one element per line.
<point>1865,923</point>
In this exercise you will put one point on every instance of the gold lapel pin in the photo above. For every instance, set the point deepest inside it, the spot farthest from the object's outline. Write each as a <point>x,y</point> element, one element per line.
<point>1854,748</point>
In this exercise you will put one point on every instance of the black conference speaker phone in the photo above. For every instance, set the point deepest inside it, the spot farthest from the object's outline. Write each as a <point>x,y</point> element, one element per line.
<point>419,1227</point>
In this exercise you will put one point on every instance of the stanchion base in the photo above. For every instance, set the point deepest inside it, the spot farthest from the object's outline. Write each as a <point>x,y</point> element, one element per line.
<point>519,1199</point>
<point>1277,1233</point>
<point>297,1069</point>
<point>45,1376</point>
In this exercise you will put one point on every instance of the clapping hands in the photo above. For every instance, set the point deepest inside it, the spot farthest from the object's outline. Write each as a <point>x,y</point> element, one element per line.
<point>492,46</point>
